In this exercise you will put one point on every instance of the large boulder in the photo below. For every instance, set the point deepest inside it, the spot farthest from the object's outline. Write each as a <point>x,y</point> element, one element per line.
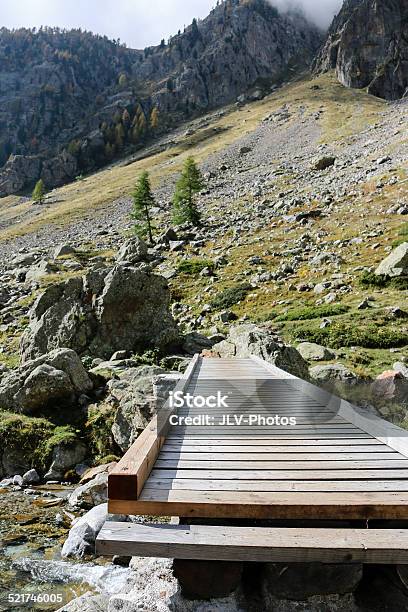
<point>336,372</point>
<point>119,308</point>
<point>248,339</point>
<point>396,264</point>
<point>58,376</point>
<point>315,352</point>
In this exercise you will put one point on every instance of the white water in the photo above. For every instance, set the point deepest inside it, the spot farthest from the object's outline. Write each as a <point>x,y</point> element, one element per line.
<point>108,579</point>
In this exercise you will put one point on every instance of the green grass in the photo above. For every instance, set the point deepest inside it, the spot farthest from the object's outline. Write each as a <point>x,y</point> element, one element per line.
<point>194,266</point>
<point>341,334</point>
<point>231,296</point>
<point>312,312</point>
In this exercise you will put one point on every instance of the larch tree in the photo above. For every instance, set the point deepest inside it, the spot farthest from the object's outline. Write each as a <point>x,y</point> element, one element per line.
<point>143,200</point>
<point>39,192</point>
<point>189,184</point>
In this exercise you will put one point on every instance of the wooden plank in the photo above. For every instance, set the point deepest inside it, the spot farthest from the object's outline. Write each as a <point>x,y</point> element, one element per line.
<point>126,480</point>
<point>278,456</point>
<point>380,546</point>
<point>266,505</point>
<point>274,485</point>
<point>278,465</point>
<point>322,474</point>
<point>270,448</point>
<point>254,443</point>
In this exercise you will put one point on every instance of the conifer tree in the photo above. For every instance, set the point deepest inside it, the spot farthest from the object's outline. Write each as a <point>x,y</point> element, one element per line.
<point>184,206</point>
<point>39,192</point>
<point>143,200</point>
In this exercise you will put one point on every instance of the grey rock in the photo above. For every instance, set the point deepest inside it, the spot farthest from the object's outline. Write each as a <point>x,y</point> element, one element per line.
<point>121,308</point>
<point>86,603</point>
<point>324,162</point>
<point>314,352</point>
<point>332,372</point>
<point>36,272</point>
<point>63,249</point>
<point>90,494</point>
<point>31,477</point>
<point>195,343</point>
<point>65,457</point>
<point>58,375</point>
<point>82,536</point>
<point>138,395</point>
<point>396,264</point>
<point>133,250</point>
<point>245,340</point>
<point>19,172</point>
<point>18,480</point>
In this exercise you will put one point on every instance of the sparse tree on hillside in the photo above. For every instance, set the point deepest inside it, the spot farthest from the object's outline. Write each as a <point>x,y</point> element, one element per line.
<point>184,206</point>
<point>123,80</point>
<point>143,200</point>
<point>39,192</point>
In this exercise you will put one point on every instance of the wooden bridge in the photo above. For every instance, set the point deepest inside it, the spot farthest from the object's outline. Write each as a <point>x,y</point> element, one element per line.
<point>337,464</point>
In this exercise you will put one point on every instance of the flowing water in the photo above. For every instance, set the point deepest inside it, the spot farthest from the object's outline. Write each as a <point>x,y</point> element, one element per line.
<point>32,574</point>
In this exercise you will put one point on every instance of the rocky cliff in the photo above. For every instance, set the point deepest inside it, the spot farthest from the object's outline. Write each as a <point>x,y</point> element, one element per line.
<point>367,45</point>
<point>71,102</point>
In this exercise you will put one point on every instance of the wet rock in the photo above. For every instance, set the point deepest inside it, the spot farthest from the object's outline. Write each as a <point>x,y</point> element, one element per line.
<point>245,340</point>
<point>56,376</point>
<point>314,352</point>
<point>82,536</point>
<point>31,477</point>
<point>396,264</point>
<point>121,308</point>
<point>207,579</point>
<point>90,494</point>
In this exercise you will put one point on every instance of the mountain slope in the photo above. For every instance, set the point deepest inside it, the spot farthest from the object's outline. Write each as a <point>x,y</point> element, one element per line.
<point>71,102</point>
<point>367,44</point>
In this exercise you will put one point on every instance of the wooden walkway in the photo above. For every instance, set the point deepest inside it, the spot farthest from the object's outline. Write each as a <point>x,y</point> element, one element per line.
<point>335,463</point>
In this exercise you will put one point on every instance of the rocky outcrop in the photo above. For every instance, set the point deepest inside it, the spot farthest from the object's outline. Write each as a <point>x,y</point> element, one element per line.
<point>367,45</point>
<point>109,309</point>
<point>246,340</point>
<point>57,377</point>
<point>19,172</point>
<point>65,456</point>
<point>63,95</point>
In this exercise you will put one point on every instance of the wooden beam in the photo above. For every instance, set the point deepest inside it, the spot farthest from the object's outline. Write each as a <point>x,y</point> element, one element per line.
<point>126,480</point>
<point>382,546</point>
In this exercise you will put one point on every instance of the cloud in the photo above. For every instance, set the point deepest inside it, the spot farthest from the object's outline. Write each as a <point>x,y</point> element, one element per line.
<point>320,12</point>
<point>138,23</point>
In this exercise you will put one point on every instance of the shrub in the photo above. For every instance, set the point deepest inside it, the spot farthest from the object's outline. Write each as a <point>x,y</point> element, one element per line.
<point>370,279</point>
<point>230,296</point>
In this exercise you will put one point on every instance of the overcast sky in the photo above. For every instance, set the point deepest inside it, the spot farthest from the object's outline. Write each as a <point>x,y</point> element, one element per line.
<point>138,23</point>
